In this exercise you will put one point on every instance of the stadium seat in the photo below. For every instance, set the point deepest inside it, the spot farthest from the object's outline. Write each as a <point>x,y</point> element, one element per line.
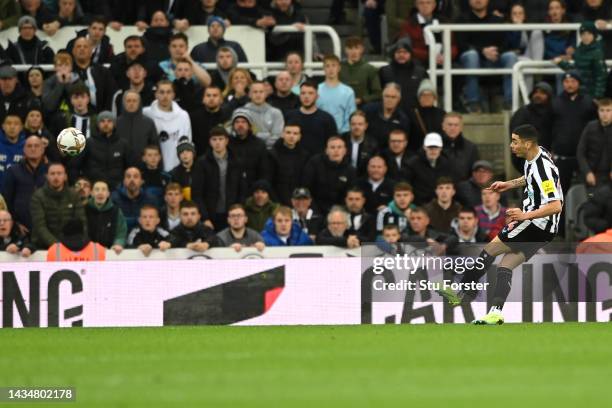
<point>575,197</point>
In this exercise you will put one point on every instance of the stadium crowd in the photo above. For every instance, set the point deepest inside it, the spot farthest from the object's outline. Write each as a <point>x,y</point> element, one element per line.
<point>181,157</point>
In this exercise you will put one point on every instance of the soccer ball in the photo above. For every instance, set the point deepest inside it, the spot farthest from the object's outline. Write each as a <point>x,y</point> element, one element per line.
<point>71,142</point>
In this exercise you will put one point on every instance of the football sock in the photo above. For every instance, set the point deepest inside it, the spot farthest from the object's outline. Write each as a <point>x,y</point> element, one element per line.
<point>502,287</point>
<point>474,274</point>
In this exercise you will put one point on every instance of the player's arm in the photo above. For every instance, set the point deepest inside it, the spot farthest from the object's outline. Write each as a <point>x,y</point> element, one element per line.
<point>501,186</point>
<point>551,208</point>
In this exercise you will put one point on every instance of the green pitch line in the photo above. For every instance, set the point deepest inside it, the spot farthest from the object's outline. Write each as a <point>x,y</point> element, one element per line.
<point>527,365</point>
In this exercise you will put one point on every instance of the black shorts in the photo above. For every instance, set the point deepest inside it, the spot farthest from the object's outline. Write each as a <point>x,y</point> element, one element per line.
<point>525,237</point>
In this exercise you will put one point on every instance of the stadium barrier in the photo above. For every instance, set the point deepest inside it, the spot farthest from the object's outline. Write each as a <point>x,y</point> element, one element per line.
<point>289,291</point>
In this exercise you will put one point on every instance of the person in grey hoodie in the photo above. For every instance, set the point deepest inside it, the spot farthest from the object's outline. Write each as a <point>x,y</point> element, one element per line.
<point>268,121</point>
<point>135,128</point>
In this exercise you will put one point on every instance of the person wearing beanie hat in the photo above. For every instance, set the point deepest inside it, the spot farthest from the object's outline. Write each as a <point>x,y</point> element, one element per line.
<point>426,117</point>
<point>13,96</point>
<point>248,148</point>
<point>404,71</point>
<point>182,173</point>
<point>29,49</point>
<point>588,60</point>
<point>259,207</point>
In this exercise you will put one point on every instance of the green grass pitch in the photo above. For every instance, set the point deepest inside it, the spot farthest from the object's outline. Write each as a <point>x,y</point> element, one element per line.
<point>521,365</point>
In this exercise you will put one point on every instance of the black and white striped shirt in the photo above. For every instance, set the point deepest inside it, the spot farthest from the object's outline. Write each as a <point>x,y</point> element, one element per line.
<point>543,186</point>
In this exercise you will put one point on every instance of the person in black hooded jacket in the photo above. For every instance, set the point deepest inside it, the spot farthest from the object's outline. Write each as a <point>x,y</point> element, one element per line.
<point>13,96</point>
<point>329,175</point>
<point>288,158</point>
<point>136,129</point>
<point>249,149</point>
<point>29,49</point>
<point>405,71</point>
<point>594,152</point>
<point>157,37</point>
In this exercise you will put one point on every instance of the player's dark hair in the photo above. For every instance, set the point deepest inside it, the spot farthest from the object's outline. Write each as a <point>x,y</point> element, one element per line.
<point>527,132</point>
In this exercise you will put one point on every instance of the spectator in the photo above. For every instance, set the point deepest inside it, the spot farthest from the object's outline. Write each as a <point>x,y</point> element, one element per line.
<point>188,91</point>
<point>259,207</point>
<point>9,14</point>
<point>97,78</point>
<point>598,209</point>
<point>461,152</point>
<point>600,12</point>
<point>491,214</point>
<point>135,128</point>
<point>80,116</point>
<point>281,230</point>
<point>426,117</point>
<point>527,45</point>
<point>282,98</point>
<point>171,122</point>
<point>237,235</point>
<point>182,173</point>
<point>200,12</point>
<point>294,63</point>
<point>404,71</point>
<point>249,150</point>
<point>337,231</point>
<point>105,222</point>
<point>372,12</point>
<point>34,124</point>
<point>236,92</point>
<point>424,14</point>
<point>69,14</point>
<point>36,10</point>
<point>468,191</point>
<point>12,141</point>
<point>56,90</point>
<point>82,186</point>
<point>206,116</point>
<point>286,12</point>
<point>106,155</point>
<point>397,156</point>
<point>148,235</point>
<point>75,246</point>
<point>29,49</point>
<point>170,214</point>
<point>130,197</point>
<point>359,74</point>
<point>155,179</point>
<point>317,125</point>
<point>134,47</point>
<point>267,120</point>
<point>52,206</point>
<point>594,152</point>
<point>378,188</point>
<point>538,112</point>
<point>427,167</point>
<point>588,61</point>
<point>157,37</point>
<point>12,240</point>
<point>207,51</point>
<point>178,48</point>
<point>390,234</point>
<point>13,97</point>
<point>443,209</point>
<point>218,180</point>
<point>137,76</point>
<point>466,227</point>
<point>336,98</point>
<point>571,111</point>
<point>328,175</point>
<point>287,159</point>
<point>359,144</point>
<point>398,210</point>
<point>420,229</point>
<point>102,49</point>
<point>36,78</point>
<point>362,224</point>
<point>385,117</point>
<point>309,220</point>
<point>22,179</point>
<point>191,233</point>
<point>226,60</point>
<point>558,43</point>
<point>248,12</point>
<point>484,50</point>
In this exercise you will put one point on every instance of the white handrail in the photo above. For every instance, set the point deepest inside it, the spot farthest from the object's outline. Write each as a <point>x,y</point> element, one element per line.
<point>448,71</point>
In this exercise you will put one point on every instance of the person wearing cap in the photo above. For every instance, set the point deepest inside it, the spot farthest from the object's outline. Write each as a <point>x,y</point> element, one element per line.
<point>461,152</point>
<point>538,112</point>
<point>405,71</point>
<point>207,50</point>
<point>80,115</point>
<point>249,149</point>
<point>571,111</point>
<point>595,147</point>
<point>468,191</point>
<point>426,117</point>
<point>13,96</point>
<point>218,180</point>
<point>183,172</point>
<point>588,60</point>
<point>358,73</point>
<point>137,76</point>
<point>12,140</point>
<point>428,166</point>
<point>29,49</point>
<point>287,159</point>
<point>259,206</point>
<point>106,154</point>
<point>302,212</point>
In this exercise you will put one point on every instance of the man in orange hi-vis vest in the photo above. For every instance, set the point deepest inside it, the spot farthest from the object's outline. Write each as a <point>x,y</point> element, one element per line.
<point>75,247</point>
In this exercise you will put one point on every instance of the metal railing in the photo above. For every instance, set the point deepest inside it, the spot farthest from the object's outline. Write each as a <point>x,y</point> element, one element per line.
<point>448,71</point>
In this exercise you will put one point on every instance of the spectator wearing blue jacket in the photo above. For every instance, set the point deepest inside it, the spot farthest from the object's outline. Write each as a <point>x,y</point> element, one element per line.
<point>130,197</point>
<point>281,230</point>
<point>12,140</point>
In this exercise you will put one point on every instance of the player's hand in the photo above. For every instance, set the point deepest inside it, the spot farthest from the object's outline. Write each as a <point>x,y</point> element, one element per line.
<point>590,179</point>
<point>499,186</point>
<point>515,214</point>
